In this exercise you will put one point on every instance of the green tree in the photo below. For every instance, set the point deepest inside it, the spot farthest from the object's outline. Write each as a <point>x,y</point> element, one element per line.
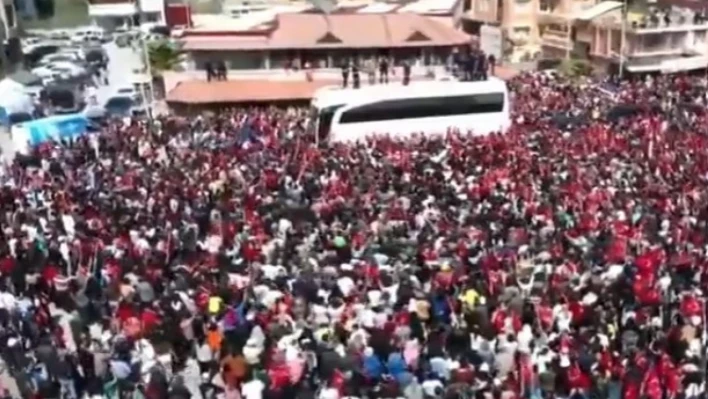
<point>163,56</point>
<point>575,68</point>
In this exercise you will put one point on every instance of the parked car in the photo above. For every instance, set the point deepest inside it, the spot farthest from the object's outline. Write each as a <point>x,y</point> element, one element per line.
<point>34,53</point>
<point>119,106</point>
<point>56,58</point>
<point>97,57</point>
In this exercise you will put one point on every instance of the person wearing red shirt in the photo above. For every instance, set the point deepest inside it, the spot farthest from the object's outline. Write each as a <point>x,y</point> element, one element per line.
<point>278,375</point>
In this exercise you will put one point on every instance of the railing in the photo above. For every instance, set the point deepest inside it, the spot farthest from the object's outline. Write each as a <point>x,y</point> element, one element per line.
<point>657,52</point>
<point>556,39</point>
<point>667,28</point>
<point>292,75</point>
<point>171,79</point>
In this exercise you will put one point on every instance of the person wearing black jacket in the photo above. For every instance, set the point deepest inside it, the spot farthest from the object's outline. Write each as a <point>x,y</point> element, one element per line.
<point>222,72</point>
<point>345,75</point>
<point>209,71</point>
<point>406,73</point>
<point>383,70</point>
<point>356,78</point>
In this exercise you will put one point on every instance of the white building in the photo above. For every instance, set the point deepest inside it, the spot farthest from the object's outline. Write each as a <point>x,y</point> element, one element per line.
<point>114,13</point>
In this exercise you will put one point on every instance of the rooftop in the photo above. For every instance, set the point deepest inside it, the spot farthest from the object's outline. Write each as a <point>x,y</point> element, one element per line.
<point>242,91</point>
<point>257,17</point>
<point>198,92</point>
<point>318,31</point>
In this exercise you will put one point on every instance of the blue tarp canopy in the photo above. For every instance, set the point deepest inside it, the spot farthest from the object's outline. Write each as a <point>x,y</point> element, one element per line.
<point>55,128</point>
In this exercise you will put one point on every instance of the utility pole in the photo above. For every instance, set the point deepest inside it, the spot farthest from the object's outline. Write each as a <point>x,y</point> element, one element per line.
<point>623,39</point>
<point>146,64</point>
<point>3,47</point>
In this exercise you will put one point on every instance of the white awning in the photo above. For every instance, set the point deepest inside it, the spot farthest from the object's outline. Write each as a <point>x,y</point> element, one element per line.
<point>597,10</point>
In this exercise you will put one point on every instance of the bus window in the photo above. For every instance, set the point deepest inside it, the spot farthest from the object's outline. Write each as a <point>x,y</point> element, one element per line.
<point>425,107</point>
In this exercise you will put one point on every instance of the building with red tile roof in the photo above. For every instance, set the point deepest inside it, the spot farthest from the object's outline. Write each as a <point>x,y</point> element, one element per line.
<point>309,31</point>
<point>266,62</point>
<point>326,41</point>
<point>258,91</point>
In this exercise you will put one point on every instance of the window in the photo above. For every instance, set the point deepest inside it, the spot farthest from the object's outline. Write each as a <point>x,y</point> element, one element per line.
<point>547,5</point>
<point>522,31</point>
<point>10,15</point>
<point>412,108</point>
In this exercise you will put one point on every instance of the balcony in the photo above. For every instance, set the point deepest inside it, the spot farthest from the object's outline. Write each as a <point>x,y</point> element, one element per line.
<point>657,22</point>
<point>668,64</point>
<point>645,30</point>
<point>552,15</point>
<point>655,52</point>
<point>483,11</point>
<point>556,39</point>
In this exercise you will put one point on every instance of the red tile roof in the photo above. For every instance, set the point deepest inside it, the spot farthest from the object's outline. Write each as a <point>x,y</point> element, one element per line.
<point>312,31</point>
<point>243,91</point>
<point>263,91</point>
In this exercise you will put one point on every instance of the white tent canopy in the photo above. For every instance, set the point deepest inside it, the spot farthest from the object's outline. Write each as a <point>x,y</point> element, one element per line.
<point>13,98</point>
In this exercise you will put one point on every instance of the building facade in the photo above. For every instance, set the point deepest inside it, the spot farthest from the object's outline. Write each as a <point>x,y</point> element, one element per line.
<point>666,38</point>
<point>111,14</point>
<point>657,41</point>
<point>525,23</point>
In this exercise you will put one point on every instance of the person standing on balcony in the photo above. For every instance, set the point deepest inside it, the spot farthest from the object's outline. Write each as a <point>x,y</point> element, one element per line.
<point>383,70</point>
<point>209,71</point>
<point>356,77</point>
<point>406,72</point>
<point>222,70</point>
<point>345,74</point>
<point>370,69</point>
<point>483,66</point>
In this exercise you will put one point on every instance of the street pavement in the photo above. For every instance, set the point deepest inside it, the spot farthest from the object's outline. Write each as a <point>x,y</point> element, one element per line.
<point>122,65</point>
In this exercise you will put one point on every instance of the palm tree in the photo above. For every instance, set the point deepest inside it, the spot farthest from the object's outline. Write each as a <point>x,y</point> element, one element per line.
<point>163,56</point>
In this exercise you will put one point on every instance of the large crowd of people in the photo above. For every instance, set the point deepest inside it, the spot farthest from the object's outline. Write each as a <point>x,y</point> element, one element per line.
<point>229,257</point>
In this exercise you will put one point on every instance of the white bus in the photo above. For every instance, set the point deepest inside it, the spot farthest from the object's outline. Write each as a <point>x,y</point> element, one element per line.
<point>431,107</point>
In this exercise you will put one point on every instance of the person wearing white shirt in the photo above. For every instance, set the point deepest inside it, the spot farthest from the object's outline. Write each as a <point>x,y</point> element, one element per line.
<point>346,285</point>
<point>8,301</point>
<point>319,314</point>
<point>542,358</point>
<point>328,393</point>
<point>367,318</point>
<point>253,389</point>
<point>524,339</point>
<point>432,386</point>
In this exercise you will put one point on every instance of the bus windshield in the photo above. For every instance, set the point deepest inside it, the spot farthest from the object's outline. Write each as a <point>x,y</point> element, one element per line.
<point>324,119</point>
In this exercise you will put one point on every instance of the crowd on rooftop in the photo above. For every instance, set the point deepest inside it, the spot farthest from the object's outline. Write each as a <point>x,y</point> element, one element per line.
<point>228,256</point>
